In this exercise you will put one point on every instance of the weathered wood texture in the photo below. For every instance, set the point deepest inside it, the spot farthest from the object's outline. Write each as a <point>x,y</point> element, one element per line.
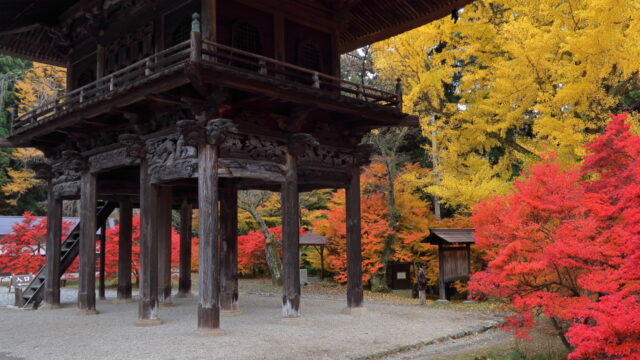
<point>209,274</point>
<point>209,18</point>
<point>148,304</point>
<point>184,283</point>
<point>124,250</point>
<point>354,242</point>
<point>103,257</point>
<point>290,240</point>
<point>87,285</point>
<point>455,262</point>
<point>163,236</point>
<point>54,233</point>
<point>442,285</point>
<point>228,245</point>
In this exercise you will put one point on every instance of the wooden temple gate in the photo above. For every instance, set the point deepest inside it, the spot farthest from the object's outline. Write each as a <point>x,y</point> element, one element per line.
<point>169,109</point>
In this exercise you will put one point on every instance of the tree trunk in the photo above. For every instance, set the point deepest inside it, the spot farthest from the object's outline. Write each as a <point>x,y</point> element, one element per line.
<point>271,249</point>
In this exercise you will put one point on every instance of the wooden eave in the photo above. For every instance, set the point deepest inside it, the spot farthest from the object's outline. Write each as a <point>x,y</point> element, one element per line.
<point>442,236</point>
<point>25,25</point>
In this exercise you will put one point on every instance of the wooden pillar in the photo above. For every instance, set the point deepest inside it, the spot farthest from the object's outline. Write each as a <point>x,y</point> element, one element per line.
<point>184,284</point>
<point>354,242</point>
<point>100,63</point>
<point>279,37</point>
<point>54,234</point>
<point>442,286</point>
<point>290,236</point>
<point>208,305</point>
<point>87,252</point>
<point>228,246</point>
<point>148,303</point>
<point>103,253</point>
<point>124,250</point>
<point>209,20</point>
<point>163,231</point>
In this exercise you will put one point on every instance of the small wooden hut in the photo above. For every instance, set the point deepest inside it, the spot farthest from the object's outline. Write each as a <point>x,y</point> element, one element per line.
<point>454,255</point>
<point>318,242</point>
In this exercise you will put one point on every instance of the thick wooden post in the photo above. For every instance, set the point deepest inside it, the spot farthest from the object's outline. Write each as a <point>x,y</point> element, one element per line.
<point>163,231</point>
<point>354,242</point>
<point>103,253</point>
<point>208,305</point>
<point>184,284</point>
<point>54,234</point>
<point>87,252</point>
<point>124,250</point>
<point>290,237</point>
<point>148,303</point>
<point>229,247</point>
<point>442,285</point>
<point>209,20</point>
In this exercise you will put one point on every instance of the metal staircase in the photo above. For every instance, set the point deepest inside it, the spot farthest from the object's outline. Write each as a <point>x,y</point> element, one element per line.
<point>32,295</point>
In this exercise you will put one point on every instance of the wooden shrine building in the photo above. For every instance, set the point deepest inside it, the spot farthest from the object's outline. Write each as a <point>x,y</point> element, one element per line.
<point>454,255</point>
<point>178,105</point>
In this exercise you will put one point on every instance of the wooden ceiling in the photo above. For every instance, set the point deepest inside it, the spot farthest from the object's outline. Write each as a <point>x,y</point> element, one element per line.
<point>27,27</point>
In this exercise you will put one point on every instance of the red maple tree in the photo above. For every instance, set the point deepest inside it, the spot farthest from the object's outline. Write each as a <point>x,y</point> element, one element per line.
<point>113,245</point>
<point>566,242</point>
<point>20,251</point>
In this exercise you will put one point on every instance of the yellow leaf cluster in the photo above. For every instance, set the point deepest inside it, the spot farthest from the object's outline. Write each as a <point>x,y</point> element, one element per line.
<point>39,85</point>
<point>528,77</point>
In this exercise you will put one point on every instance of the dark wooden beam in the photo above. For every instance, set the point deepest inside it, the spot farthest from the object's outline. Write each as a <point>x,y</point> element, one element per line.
<point>163,236</point>
<point>290,239</point>
<point>103,253</point>
<point>354,241</point>
<point>184,284</point>
<point>148,303</point>
<point>209,269</point>
<point>87,252</point>
<point>209,18</point>
<point>228,246</point>
<point>124,250</point>
<point>54,232</point>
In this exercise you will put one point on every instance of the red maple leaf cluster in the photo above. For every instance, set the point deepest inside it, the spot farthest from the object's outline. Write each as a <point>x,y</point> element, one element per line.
<point>566,243</point>
<point>20,251</point>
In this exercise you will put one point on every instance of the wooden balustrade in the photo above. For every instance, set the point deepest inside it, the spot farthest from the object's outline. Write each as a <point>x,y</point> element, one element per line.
<point>197,49</point>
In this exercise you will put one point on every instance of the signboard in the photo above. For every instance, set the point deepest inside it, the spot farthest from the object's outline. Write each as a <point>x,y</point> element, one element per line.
<point>401,275</point>
<point>21,281</point>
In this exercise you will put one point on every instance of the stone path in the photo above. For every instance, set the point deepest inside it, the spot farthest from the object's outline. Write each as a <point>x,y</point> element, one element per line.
<point>258,333</point>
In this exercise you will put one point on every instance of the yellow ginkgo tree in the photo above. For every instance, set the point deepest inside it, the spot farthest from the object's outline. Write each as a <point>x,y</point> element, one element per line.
<point>513,79</point>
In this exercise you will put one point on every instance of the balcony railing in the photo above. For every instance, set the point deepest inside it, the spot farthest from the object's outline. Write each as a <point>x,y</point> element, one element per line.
<point>206,52</point>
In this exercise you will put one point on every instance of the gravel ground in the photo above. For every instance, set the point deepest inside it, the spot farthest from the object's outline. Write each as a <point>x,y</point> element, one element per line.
<point>258,333</point>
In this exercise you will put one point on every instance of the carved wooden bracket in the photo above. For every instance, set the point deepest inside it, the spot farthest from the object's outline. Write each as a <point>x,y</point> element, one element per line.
<point>362,155</point>
<point>135,145</point>
<point>298,143</point>
<point>212,132</point>
<point>74,160</point>
<point>43,171</point>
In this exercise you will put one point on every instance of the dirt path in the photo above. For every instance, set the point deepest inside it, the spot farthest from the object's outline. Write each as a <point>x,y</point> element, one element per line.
<point>467,345</point>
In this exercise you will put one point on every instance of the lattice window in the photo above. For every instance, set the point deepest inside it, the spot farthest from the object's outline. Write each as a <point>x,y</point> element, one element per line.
<point>310,56</point>
<point>246,37</point>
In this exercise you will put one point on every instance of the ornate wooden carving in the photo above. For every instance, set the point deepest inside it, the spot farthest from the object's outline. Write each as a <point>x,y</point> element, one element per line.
<point>111,159</point>
<point>134,145</point>
<point>169,157</point>
<point>362,155</point>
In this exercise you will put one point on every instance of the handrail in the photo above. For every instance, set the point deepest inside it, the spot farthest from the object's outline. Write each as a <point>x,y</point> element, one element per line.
<point>360,91</point>
<point>196,50</point>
